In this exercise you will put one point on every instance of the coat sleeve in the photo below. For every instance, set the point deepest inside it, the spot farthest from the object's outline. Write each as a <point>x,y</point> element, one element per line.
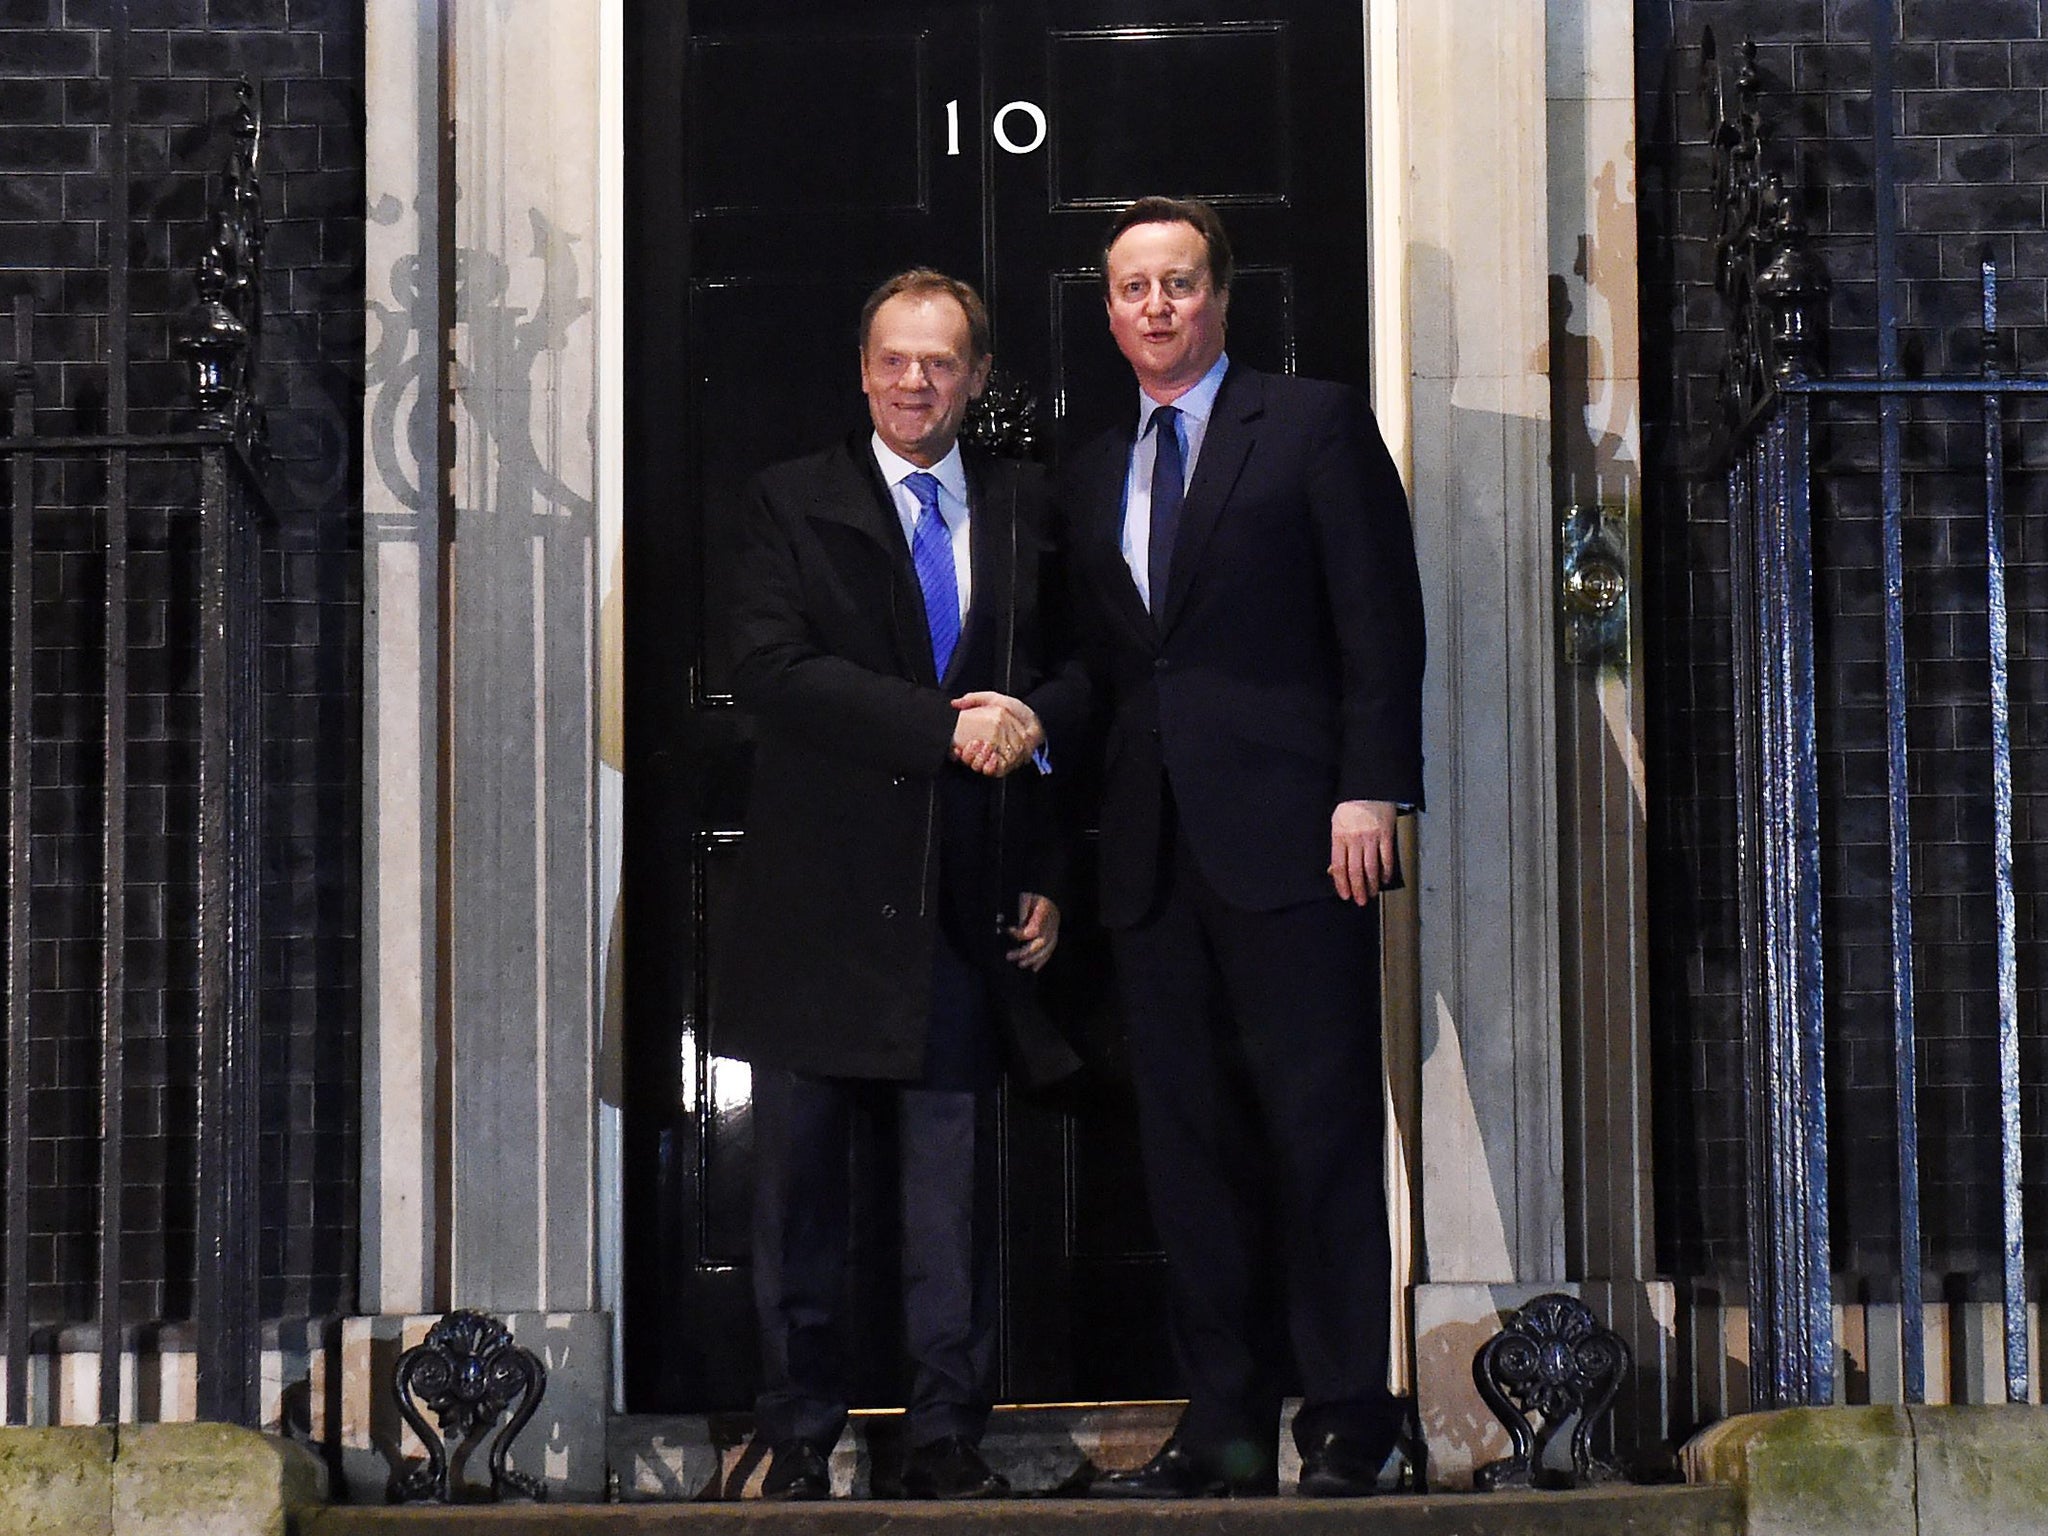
<point>1367,550</point>
<point>795,686</point>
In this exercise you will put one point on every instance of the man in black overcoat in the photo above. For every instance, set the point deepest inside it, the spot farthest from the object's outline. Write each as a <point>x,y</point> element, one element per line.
<point>895,883</point>
<point>1251,607</point>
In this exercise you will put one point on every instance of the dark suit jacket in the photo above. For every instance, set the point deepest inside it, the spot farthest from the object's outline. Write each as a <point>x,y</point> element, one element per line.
<point>862,835</point>
<point>1285,672</point>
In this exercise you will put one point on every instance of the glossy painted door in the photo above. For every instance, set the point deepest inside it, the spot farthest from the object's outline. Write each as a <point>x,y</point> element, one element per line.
<point>783,157</point>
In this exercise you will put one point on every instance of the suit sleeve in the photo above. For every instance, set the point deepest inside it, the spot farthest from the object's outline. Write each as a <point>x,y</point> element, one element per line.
<point>1367,549</point>
<point>796,687</point>
<point>1062,695</point>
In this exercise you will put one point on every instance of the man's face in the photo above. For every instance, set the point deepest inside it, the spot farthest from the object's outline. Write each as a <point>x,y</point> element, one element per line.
<point>1164,310</point>
<point>918,375</point>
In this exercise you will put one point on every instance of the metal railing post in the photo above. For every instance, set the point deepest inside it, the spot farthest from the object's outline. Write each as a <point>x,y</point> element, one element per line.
<point>20,686</point>
<point>2012,1219</point>
<point>114,832</point>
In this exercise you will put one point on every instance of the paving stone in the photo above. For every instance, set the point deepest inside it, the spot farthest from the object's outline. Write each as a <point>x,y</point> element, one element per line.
<point>1983,1471</point>
<point>210,1480</point>
<point>1815,1471</point>
<point>56,1482</point>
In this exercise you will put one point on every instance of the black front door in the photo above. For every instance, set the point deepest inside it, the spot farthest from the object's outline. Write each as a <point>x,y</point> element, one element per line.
<point>783,157</point>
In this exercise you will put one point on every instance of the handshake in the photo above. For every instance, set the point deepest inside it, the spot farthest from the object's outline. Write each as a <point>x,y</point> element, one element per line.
<point>994,733</point>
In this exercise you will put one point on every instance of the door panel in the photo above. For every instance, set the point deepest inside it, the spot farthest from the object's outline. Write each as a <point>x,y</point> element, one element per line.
<point>744,327</point>
<point>1201,109</point>
<point>779,125</point>
<point>804,156</point>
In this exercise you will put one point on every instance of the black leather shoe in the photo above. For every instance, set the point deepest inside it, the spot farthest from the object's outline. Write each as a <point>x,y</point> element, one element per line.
<point>798,1470</point>
<point>1179,1472</point>
<point>1336,1466</point>
<point>950,1469</point>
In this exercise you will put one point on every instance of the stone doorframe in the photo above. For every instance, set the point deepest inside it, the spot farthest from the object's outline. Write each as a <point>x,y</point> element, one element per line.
<point>1504,334</point>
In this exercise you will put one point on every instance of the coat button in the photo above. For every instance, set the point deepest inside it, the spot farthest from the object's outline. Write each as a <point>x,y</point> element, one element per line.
<point>896,779</point>
<point>1158,663</point>
<point>888,909</point>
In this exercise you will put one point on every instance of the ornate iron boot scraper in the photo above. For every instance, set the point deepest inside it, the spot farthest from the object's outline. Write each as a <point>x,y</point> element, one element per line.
<point>1555,1359</point>
<point>469,1372</point>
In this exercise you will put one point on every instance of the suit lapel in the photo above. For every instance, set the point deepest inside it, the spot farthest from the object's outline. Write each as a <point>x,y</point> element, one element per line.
<point>1102,491</point>
<point>1232,429</point>
<point>853,493</point>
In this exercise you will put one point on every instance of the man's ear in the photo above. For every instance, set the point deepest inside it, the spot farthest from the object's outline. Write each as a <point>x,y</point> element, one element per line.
<point>981,373</point>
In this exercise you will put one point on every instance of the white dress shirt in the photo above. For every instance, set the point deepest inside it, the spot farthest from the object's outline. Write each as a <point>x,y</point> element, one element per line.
<point>952,477</point>
<point>1193,425</point>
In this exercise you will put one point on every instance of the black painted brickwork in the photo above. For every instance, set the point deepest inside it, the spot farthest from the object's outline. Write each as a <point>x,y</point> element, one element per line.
<point>54,195</point>
<point>1973,171</point>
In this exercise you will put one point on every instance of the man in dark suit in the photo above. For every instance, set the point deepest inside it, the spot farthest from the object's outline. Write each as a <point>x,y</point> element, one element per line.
<point>1246,575</point>
<point>893,885</point>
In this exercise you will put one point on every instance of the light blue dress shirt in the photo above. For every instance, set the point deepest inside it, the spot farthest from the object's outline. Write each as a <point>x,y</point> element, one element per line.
<point>1193,425</point>
<point>951,474</point>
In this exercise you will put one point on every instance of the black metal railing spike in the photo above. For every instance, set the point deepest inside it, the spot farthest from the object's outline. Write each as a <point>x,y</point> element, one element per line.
<point>222,332</point>
<point>222,453</point>
<point>20,676</point>
<point>1772,288</point>
<point>2012,1222</point>
<point>1772,284</point>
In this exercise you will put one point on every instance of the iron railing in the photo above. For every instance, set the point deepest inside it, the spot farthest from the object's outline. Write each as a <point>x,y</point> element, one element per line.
<point>223,455</point>
<point>1774,287</point>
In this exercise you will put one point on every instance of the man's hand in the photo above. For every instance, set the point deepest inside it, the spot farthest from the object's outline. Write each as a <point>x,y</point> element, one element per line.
<point>1362,852</point>
<point>1037,931</point>
<point>994,733</point>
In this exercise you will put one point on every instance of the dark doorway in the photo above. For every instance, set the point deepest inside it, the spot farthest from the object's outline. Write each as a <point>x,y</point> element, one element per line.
<point>783,157</point>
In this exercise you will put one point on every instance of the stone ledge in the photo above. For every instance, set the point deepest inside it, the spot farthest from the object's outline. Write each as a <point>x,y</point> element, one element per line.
<point>1887,1471</point>
<point>154,1480</point>
<point>1620,1511</point>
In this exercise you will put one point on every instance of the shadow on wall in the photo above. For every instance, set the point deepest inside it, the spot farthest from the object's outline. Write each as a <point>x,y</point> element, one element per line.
<point>1486,1094</point>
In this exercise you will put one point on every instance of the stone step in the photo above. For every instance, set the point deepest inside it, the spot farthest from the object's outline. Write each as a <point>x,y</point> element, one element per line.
<point>1040,1449</point>
<point>1611,1511</point>
<point>1043,1449</point>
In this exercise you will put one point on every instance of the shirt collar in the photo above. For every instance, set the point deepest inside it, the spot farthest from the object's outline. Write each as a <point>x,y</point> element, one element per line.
<point>951,471</point>
<point>1197,402</point>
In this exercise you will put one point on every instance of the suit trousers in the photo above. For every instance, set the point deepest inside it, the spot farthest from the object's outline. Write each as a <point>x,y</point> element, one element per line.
<point>1255,1051</point>
<point>802,1145</point>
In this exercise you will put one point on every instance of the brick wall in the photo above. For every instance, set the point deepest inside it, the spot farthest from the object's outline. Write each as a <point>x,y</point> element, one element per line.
<point>307,56</point>
<point>1972,163</point>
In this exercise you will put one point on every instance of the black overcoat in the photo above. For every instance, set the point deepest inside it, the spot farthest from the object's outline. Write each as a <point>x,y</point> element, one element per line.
<point>828,970</point>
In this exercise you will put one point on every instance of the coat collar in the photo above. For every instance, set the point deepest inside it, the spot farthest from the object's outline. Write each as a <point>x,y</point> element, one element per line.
<point>851,491</point>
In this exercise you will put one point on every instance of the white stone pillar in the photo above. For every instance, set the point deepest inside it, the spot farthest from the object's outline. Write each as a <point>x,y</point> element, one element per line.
<point>481,633</point>
<point>404,485</point>
<point>1596,374</point>
<point>523,658</point>
<point>1467,88</point>
<point>1504,175</point>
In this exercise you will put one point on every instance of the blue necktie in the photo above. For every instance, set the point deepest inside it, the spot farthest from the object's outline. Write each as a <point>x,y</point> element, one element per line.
<point>1168,491</point>
<point>931,551</point>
